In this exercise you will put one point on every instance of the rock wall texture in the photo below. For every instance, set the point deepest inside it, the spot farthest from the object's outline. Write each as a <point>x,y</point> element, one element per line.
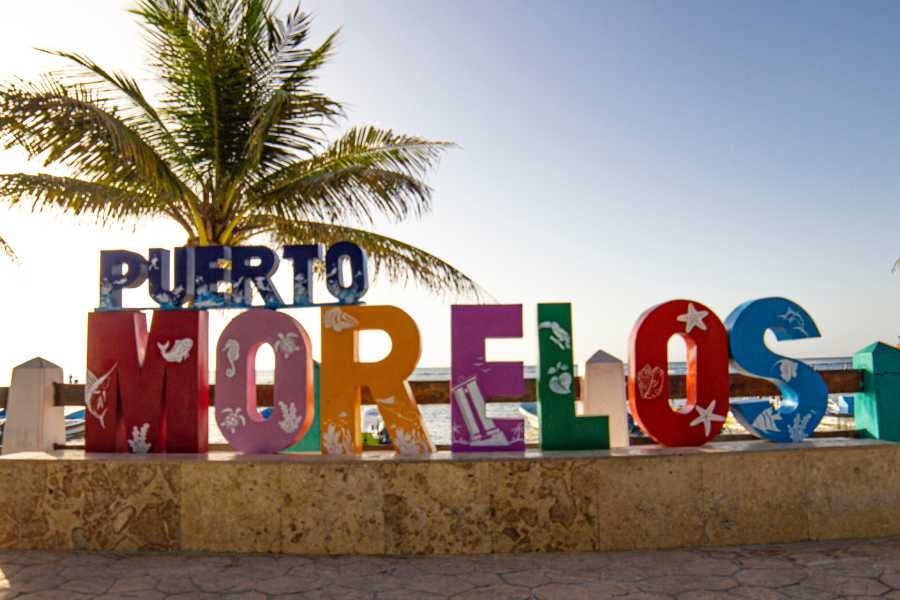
<point>638,498</point>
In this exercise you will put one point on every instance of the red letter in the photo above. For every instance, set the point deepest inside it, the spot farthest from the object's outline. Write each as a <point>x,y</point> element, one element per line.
<point>147,393</point>
<point>702,416</point>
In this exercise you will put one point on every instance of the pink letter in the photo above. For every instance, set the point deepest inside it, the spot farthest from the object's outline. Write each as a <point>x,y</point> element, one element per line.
<point>236,413</point>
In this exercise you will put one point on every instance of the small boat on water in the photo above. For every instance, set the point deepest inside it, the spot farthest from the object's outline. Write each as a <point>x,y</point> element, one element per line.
<point>74,422</point>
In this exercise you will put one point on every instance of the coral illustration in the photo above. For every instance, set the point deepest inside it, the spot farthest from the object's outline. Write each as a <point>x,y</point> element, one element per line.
<point>290,422</point>
<point>138,441</point>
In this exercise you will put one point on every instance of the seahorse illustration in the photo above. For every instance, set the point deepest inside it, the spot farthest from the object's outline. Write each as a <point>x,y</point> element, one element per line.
<point>232,351</point>
<point>180,350</point>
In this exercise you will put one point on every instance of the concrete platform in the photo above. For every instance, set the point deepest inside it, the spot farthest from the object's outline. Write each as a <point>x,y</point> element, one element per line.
<point>640,498</point>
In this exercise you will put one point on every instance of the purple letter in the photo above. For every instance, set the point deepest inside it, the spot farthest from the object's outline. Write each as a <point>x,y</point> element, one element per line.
<point>473,380</point>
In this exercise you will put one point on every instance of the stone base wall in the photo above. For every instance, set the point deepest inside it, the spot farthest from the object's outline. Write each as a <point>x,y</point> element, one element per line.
<point>639,498</point>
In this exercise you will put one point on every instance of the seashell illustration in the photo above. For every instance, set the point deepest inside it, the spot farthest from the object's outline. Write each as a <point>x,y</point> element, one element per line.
<point>787,369</point>
<point>650,382</point>
<point>338,320</point>
<point>562,383</point>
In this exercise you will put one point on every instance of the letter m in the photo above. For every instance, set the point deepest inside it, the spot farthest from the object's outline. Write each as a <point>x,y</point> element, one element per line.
<point>147,391</point>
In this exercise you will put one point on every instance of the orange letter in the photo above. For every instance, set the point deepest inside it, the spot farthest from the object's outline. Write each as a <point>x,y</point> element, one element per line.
<point>343,376</point>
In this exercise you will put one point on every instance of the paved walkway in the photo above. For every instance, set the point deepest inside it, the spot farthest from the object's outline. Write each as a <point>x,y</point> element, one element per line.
<point>812,570</point>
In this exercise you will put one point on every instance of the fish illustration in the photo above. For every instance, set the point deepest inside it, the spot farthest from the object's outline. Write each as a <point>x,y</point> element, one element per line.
<point>558,335</point>
<point>232,351</point>
<point>96,386</point>
<point>794,319</point>
<point>176,352</point>
<point>767,420</point>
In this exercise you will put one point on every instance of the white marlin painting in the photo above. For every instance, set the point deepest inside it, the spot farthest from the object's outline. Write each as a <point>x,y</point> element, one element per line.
<point>95,395</point>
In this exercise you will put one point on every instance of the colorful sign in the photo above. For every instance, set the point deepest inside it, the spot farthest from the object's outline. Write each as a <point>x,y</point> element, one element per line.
<point>804,395</point>
<point>147,390</point>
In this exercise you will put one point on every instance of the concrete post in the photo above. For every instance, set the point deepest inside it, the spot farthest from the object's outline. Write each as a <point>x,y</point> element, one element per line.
<point>604,394</point>
<point>33,423</point>
<point>877,405</point>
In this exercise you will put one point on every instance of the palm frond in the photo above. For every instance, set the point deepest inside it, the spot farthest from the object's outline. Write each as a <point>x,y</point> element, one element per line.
<point>366,171</point>
<point>116,87</point>
<point>399,261</point>
<point>8,250</point>
<point>105,202</point>
<point>73,127</point>
<point>201,49</point>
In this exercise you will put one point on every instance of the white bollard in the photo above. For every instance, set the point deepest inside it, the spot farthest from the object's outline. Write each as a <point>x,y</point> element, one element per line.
<point>604,394</point>
<point>33,423</point>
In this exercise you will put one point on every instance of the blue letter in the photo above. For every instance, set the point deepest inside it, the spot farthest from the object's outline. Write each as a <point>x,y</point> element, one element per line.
<point>113,279</point>
<point>804,392</point>
<point>182,289</point>
<point>208,274</point>
<point>243,274</point>
<point>303,258</point>
<point>359,272</point>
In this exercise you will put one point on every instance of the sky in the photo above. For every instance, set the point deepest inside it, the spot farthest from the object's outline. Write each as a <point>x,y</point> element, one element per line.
<point>614,155</point>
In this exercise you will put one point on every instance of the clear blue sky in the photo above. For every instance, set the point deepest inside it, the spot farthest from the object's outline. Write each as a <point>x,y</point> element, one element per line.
<point>612,154</point>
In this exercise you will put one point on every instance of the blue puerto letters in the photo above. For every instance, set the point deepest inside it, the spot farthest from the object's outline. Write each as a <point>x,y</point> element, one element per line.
<point>244,275</point>
<point>182,290</point>
<point>804,392</point>
<point>303,258</point>
<point>359,272</point>
<point>210,271</point>
<point>119,269</point>
<point>224,276</point>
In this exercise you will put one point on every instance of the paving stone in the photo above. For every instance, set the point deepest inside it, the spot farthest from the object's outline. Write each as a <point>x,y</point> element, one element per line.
<point>676,584</point>
<point>88,586</point>
<point>439,584</point>
<point>496,592</point>
<point>770,578</point>
<point>289,584</point>
<point>573,591</point>
<point>820,571</point>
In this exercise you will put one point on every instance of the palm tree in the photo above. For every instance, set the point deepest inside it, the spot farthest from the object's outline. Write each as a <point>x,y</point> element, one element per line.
<point>236,148</point>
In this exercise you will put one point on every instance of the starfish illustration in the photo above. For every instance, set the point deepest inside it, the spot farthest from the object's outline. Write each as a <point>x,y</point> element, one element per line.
<point>706,416</point>
<point>693,318</point>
